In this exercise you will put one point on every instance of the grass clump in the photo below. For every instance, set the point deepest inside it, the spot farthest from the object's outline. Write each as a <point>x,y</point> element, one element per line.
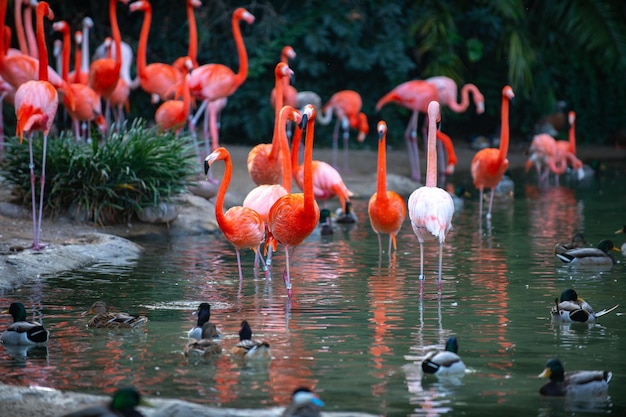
<point>108,181</point>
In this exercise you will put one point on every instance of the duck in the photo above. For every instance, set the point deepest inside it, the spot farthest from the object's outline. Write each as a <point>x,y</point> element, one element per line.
<point>304,403</point>
<point>569,307</point>
<point>599,256</point>
<point>578,241</point>
<point>575,384</point>
<point>445,362</point>
<point>104,319</point>
<point>204,314</point>
<point>248,348</point>
<point>122,404</point>
<point>459,194</point>
<point>206,345</point>
<point>22,332</point>
<point>326,224</point>
<point>347,216</point>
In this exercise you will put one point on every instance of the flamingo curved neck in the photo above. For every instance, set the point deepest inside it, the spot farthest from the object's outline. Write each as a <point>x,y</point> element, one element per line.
<point>309,199</point>
<point>117,37</point>
<point>143,42</point>
<point>504,130</point>
<point>460,107</point>
<point>325,116</point>
<point>242,54</point>
<point>572,138</point>
<point>221,193</point>
<point>41,43</point>
<point>19,28</point>
<point>65,66</point>
<point>284,148</point>
<point>431,161</point>
<point>193,34</point>
<point>381,187</point>
<point>278,105</point>
<point>85,50</point>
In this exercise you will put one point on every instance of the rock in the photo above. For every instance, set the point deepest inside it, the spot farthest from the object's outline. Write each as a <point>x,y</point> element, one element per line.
<point>161,214</point>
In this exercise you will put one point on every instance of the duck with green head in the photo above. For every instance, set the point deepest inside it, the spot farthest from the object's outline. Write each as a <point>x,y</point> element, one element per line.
<point>596,257</point>
<point>22,332</point>
<point>569,307</point>
<point>445,362</point>
<point>578,384</point>
<point>122,404</point>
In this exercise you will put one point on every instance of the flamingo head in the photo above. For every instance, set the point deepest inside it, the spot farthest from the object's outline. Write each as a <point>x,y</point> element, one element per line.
<point>140,5</point>
<point>194,3</point>
<point>60,26</point>
<point>78,37</point>
<point>219,153</point>
<point>308,113</point>
<point>381,128</point>
<point>288,52</point>
<point>44,9</point>
<point>571,117</point>
<point>507,92</point>
<point>283,70</point>
<point>243,14</point>
<point>87,22</point>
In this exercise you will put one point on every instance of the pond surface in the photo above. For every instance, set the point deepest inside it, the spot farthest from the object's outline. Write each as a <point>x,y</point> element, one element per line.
<point>357,327</point>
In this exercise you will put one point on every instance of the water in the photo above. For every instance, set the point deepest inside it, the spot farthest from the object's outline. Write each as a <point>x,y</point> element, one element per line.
<point>357,328</point>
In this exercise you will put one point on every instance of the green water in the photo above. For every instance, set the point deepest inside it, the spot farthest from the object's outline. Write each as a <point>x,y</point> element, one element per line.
<point>357,327</point>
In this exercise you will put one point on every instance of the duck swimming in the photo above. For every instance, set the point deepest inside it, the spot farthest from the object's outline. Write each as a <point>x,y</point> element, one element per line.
<point>445,362</point>
<point>122,404</point>
<point>22,332</point>
<point>578,241</point>
<point>104,319</point>
<point>571,308</point>
<point>204,314</point>
<point>594,384</point>
<point>590,256</point>
<point>304,403</point>
<point>248,348</point>
<point>206,345</point>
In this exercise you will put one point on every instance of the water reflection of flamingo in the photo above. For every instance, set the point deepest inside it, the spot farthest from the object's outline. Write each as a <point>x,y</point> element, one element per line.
<point>431,208</point>
<point>490,164</point>
<point>386,209</point>
<point>242,226</point>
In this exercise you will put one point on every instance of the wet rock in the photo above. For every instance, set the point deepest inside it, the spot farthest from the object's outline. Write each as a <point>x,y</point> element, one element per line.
<point>162,213</point>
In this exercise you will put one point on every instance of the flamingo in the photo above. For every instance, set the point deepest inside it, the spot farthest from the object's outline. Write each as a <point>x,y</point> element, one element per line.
<point>192,51</point>
<point>81,71</point>
<point>431,208</point>
<point>36,105</point>
<point>158,79</point>
<point>290,94</point>
<point>173,114</point>
<point>30,33</point>
<point>242,226</point>
<point>490,164</point>
<point>568,148</point>
<point>415,96</point>
<point>294,216</point>
<point>105,72</point>
<point>27,48</point>
<point>264,160</point>
<point>386,209</point>
<point>212,82</point>
<point>262,198</point>
<point>327,181</point>
<point>447,92</point>
<point>87,105</point>
<point>346,106</point>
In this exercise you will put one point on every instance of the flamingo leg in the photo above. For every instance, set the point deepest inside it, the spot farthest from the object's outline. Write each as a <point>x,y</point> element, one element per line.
<point>421,277</point>
<point>42,181</point>
<point>490,203</point>
<point>286,274</point>
<point>380,245</point>
<point>345,125</point>
<point>214,126</point>
<point>410,136</point>
<point>480,204</point>
<point>31,165</point>
<point>440,264</point>
<point>335,140</point>
<point>258,256</point>
<point>391,240</point>
<point>239,264</point>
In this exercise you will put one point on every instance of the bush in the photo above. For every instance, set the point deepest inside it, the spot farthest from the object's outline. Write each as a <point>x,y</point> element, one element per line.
<point>108,181</point>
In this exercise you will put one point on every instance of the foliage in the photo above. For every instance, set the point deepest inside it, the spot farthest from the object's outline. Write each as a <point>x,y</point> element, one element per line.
<point>108,181</point>
<point>548,50</point>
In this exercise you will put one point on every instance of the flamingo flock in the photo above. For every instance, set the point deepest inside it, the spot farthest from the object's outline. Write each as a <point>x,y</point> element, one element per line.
<point>273,213</point>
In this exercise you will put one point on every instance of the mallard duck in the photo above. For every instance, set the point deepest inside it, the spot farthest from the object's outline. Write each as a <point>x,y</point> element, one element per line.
<point>204,314</point>
<point>248,348</point>
<point>22,332</point>
<point>326,224</point>
<point>578,241</point>
<point>104,319</point>
<point>122,404</point>
<point>347,216</point>
<point>571,308</point>
<point>304,403</point>
<point>575,383</point>
<point>206,345</point>
<point>445,362</point>
<point>599,256</point>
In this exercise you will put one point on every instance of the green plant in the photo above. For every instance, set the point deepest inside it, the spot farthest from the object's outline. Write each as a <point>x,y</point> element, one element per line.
<point>108,181</point>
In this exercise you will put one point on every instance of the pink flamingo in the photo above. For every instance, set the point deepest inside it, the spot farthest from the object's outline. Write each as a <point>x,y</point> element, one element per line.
<point>211,82</point>
<point>327,182</point>
<point>346,106</point>
<point>242,226</point>
<point>36,105</point>
<point>490,164</point>
<point>447,92</point>
<point>293,217</point>
<point>264,160</point>
<point>290,94</point>
<point>431,208</point>
<point>173,114</point>
<point>386,209</point>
